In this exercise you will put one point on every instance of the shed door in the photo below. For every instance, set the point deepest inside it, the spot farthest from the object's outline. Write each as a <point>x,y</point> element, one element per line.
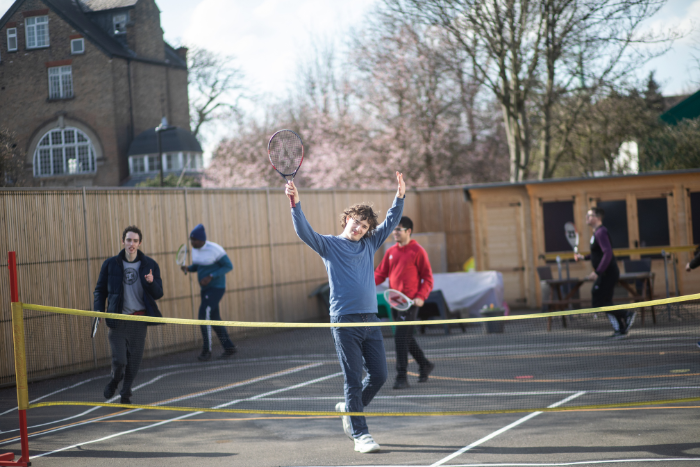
<point>503,248</point>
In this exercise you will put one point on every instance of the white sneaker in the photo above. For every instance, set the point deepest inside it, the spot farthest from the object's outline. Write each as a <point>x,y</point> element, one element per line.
<point>347,427</point>
<point>365,444</point>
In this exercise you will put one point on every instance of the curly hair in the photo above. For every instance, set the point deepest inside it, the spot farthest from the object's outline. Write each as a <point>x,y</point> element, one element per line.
<point>361,212</point>
<point>134,229</point>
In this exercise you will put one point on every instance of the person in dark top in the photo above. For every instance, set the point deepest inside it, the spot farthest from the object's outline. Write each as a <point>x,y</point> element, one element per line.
<point>605,274</point>
<point>130,283</point>
<point>694,263</point>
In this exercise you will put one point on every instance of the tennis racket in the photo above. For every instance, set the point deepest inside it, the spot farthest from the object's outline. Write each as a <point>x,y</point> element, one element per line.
<point>397,300</point>
<point>181,256</point>
<point>571,235</point>
<point>286,152</point>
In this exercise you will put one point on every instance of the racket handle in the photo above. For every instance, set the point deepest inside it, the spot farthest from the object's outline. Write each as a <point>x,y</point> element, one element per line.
<point>291,201</point>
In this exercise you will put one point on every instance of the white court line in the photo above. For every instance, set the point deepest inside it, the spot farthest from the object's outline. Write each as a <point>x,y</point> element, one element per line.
<point>540,464</point>
<point>557,464</point>
<point>503,430</point>
<point>227,404</point>
<point>93,408</point>
<point>193,396</point>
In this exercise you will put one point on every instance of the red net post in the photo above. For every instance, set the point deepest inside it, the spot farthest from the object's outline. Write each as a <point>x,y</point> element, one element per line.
<point>7,459</point>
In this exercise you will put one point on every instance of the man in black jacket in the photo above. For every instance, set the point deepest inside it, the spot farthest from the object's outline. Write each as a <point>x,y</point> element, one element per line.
<point>131,284</point>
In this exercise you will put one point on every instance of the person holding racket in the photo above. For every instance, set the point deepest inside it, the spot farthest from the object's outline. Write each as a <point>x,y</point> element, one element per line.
<point>131,284</point>
<point>349,261</point>
<point>605,274</point>
<point>211,263</point>
<point>408,269</point>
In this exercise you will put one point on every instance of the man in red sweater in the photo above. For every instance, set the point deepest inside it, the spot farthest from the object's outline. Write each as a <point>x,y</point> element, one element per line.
<point>408,269</point>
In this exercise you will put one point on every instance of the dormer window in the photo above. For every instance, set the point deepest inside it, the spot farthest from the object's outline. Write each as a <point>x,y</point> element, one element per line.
<point>77,46</point>
<point>119,21</point>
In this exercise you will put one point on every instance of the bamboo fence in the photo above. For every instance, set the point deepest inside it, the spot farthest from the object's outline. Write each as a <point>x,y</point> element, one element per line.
<point>63,236</point>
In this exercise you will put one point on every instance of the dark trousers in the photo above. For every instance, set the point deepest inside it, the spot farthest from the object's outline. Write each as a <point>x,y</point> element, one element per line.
<point>360,349</point>
<point>602,295</point>
<point>209,310</point>
<point>405,342</point>
<point>127,341</point>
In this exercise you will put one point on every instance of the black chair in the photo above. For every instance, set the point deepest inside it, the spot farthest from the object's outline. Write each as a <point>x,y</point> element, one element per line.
<point>641,265</point>
<point>436,306</point>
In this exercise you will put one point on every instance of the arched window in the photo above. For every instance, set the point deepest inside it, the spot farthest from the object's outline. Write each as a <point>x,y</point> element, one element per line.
<point>64,152</point>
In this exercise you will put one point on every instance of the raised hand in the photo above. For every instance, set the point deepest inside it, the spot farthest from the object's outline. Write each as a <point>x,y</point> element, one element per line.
<point>149,276</point>
<point>401,191</point>
<point>291,190</point>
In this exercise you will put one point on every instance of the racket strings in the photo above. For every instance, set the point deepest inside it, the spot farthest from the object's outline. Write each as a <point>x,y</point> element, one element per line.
<point>286,152</point>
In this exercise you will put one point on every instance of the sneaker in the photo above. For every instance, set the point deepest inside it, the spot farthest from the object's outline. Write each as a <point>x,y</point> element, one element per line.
<point>110,389</point>
<point>630,321</point>
<point>620,335</point>
<point>425,372</point>
<point>228,353</point>
<point>698,344</point>
<point>347,427</point>
<point>615,335</point>
<point>365,444</point>
<point>125,400</point>
<point>204,356</point>
<point>401,383</point>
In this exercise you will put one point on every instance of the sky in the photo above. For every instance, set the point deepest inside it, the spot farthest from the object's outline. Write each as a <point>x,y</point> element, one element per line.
<point>266,37</point>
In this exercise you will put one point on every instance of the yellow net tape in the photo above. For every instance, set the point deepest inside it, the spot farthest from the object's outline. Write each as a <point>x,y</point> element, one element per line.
<point>249,324</point>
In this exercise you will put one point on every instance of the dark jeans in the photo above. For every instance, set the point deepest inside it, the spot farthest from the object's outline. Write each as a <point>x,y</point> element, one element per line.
<point>209,310</point>
<point>359,349</point>
<point>127,340</point>
<point>602,295</point>
<point>405,343</point>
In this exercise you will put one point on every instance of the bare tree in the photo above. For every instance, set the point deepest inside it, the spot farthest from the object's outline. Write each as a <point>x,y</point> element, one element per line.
<point>531,53</point>
<point>216,87</point>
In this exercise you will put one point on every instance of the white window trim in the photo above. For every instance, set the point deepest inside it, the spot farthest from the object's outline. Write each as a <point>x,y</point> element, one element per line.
<point>62,72</point>
<point>32,28</point>
<point>12,34</point>
<point>92,158</point>
<point>80,40</point>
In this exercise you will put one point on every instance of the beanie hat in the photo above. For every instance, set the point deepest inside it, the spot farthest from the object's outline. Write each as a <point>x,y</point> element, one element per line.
<point>198,233</point>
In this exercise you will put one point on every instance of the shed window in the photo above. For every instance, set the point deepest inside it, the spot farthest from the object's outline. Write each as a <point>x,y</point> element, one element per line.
<point>11,39</point>
<point>615,220</point>
<point>555,215</point>
<point>37,31</point>
<point>695,216</point>
<point>77,46</point>
<point>653,222</point>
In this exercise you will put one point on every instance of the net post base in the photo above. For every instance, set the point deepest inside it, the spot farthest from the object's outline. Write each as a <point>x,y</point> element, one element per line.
<point>7,459</point>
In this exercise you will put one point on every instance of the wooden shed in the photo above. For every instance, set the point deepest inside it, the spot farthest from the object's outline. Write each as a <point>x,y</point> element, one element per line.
<point>518,225</point>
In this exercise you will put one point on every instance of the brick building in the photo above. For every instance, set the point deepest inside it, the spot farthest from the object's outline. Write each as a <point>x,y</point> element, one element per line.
<point>80,80</point>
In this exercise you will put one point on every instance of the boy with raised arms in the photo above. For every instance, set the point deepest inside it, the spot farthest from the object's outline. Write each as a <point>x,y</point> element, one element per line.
<point>349,261</point>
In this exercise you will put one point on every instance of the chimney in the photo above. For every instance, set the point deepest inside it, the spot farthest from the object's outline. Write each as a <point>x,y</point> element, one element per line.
<point>182,53</point>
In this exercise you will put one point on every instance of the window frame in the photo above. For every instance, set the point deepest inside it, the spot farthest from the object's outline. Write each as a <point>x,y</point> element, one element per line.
<point>80,40</point>
<point>79,147</point>
<point>12,34</point>
<point>120,32</point>
<point>31,29</point>
<point>61,85</point>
